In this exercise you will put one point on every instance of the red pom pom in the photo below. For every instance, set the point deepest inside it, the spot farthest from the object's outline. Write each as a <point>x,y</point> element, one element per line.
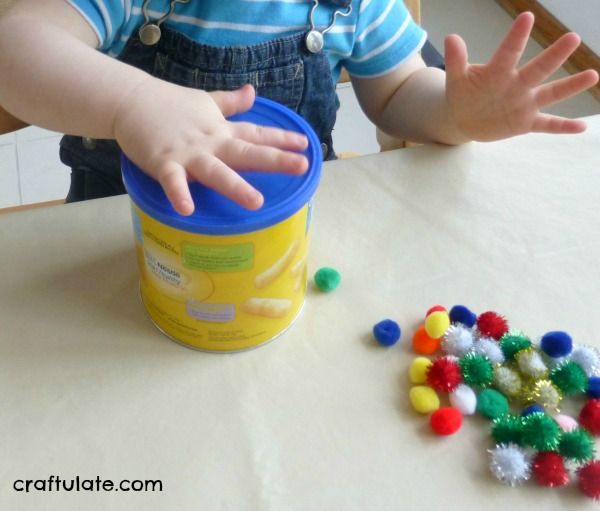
<point>444,375</point>
<point>589,479</point>
<point>549,469</point>
<point>446,421</point>
<point>491,324</point>
<point>589,417</point>
<point>436,308</point>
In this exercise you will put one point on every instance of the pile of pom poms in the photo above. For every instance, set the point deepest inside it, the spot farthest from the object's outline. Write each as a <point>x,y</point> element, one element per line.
<point>519,385</point>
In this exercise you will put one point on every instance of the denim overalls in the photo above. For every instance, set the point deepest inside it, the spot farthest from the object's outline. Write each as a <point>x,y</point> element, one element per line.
<point>282,69</point>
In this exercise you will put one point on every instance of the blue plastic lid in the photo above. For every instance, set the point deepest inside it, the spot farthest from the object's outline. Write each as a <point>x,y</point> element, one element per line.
<point>283,194</point>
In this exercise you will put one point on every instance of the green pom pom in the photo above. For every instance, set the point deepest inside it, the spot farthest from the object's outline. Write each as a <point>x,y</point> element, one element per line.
<point>492,404</point>
<point>513,342</point>
<point>508,429</point>
<point>476,370</point>
<point>577,444</point>
<point>541,432</point>
<point>327,279</point>
<point>570,378</point>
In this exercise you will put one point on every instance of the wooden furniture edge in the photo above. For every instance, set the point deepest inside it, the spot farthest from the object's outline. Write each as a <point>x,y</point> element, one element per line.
<point>35,205</point>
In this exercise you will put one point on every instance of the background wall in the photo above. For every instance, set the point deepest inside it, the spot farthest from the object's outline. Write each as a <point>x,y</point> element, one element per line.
<point>582,17</point>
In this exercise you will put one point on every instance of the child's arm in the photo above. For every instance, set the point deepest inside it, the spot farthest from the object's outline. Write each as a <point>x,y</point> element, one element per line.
<point>52,76</point>
<point>476,102</point>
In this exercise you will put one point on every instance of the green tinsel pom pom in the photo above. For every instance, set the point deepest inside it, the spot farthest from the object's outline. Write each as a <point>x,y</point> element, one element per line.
<point>541,432</point>
<point>508,429</point>
<point>513,342</point>
<point>577,444</point>
<point>476,370</point>
<point>570,378</point>
<point>492,404</point>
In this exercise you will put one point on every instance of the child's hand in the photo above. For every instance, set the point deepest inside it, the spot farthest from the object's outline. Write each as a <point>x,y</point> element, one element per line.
<point>178,135</point>
<point>497,100</point>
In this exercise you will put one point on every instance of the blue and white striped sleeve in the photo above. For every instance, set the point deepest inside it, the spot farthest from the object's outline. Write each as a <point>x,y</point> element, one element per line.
<point>386,35</point>
<point>106,17</point>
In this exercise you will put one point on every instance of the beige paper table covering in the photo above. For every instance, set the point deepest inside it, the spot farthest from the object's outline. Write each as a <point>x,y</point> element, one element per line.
<point>320,418</point>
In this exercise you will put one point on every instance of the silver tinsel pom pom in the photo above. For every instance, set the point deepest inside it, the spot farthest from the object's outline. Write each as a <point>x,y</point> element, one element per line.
<point>510,464</point>
<point>588,358</point>
<point>490,348</point>
<point>457,340</point>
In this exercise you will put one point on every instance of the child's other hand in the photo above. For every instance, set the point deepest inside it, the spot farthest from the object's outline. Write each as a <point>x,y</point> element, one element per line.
<point>178,135</point>
<point>498,100</point>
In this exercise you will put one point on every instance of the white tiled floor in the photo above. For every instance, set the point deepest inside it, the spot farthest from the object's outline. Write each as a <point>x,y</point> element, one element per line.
<point>30,170</point>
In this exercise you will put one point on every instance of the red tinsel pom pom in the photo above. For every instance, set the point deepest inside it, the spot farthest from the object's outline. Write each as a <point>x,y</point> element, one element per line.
<point>491,324</point>
<point>444,375</point>
<point>589,417</point>
<point>549,469</point>
<point>589,479</point>
<point>446,421</point>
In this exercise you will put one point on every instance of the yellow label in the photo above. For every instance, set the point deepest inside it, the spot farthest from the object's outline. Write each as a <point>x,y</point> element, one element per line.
<point>222,293</point>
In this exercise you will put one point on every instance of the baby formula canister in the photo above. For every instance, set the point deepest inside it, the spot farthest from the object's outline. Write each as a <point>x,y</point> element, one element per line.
<point>227,279</point>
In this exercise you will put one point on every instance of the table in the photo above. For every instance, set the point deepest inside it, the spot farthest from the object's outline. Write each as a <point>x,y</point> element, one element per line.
<point>320,418</point>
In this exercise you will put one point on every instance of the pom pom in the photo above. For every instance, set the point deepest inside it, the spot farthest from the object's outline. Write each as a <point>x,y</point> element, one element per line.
<point>513,342</point>
<point>461,314</point>
<point>492,404</point>
<point>424,399</point>
<point>589,417</point>
<point>507,429</point>
<point>556,344</point>
<point>530,363</point>
<point>577,445</point>
<point>532,409</point>
<point>544,393</point>
<point>589,479</point>
<point>418,370</point>
<point>565,422</point>
<point>423,343</point>
<point>491,324</point>
<point>541,432</point>
<point>436,308</point>
<point>570,378</point>
<point>437,323</point>
<point>509,464</point>
<point>386,332</point>
<point>593,386</point>
<point>507,381</point>
<point>588,358</point>
<point>489,348</point>
<point>444,375</point>
<point>463,398</point>
<point>549,469</point>
<point>476,370</point>
<point>457,340</point>
<point>446,421</point>
<point>327,279</point>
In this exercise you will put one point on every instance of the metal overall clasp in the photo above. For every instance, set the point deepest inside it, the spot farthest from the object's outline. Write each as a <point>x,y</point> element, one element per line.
<point>149,32</point>
<point>314,40</point>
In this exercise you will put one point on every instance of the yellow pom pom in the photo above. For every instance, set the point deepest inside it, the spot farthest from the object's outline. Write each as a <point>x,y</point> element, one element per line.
<point>437,323</point>
<point>424,399</point>
<point>418,370</point>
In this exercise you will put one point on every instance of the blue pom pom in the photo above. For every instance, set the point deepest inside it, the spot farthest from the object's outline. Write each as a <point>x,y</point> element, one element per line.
<point>461,314</point>
<point>556,344</point>
<point>387,332</point>
<point>593,388</point>
<point>532,409</point>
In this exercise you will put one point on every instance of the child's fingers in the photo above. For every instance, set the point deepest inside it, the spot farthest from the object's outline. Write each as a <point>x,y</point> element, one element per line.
<point>242,155</point>
<point>233,102</point>
<point>173,179</point>
<point>274,137</point>
<point>546,63</point>
<point>455,56</point>
<point>546,123</point>
<point>558,90</point>
<point>511,49</point>
<point>214,173</point>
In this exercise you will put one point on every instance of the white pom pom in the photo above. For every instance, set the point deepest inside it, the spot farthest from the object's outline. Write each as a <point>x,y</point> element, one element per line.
<point>490,348</point>
<point>457,340</point>
<point>507,381</point>
<point>464,399</point>
<point>510,464</point>
<point>531,363</point>
<point>588,358</point>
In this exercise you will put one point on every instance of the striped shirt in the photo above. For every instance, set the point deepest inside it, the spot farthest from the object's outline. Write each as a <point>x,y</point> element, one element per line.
<point>373,40</point>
